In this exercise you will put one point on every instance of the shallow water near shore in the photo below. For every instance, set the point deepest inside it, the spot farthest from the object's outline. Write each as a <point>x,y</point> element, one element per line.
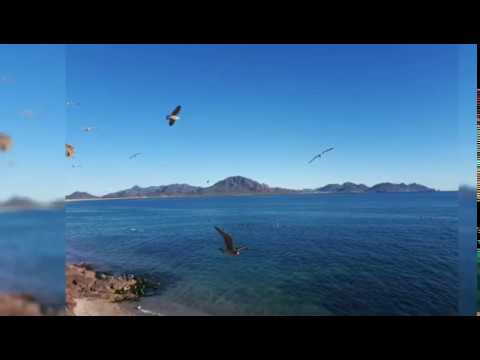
<point>328,254</point>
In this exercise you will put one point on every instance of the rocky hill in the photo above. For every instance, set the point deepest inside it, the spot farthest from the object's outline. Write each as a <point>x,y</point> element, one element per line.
<point>239,185</point>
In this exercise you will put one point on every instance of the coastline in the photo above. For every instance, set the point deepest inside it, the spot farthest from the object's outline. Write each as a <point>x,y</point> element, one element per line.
<point>251,194</point>
<point>93,293</point>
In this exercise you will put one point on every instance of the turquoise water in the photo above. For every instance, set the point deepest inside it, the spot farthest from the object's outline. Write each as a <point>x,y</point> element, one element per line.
<point>32,254</point>
<point>338,254</point>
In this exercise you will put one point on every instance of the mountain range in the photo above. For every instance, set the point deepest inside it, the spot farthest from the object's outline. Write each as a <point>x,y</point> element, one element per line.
<point>239,185</point>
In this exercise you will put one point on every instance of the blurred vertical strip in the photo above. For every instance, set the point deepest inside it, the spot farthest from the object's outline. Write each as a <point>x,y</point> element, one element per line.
<point>467,195</point>
<point>478,200</point>
<point>32,222</point>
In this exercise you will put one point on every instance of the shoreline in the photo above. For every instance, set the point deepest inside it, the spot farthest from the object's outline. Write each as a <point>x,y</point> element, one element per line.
<point>259,194</point>
<point>93,293</point>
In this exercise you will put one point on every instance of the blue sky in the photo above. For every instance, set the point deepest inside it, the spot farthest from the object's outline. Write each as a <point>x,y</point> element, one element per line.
<point>32,112</point>
<point>392,112</point>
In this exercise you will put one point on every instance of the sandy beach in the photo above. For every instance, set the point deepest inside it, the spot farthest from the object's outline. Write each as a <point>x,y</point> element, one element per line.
<point>99,307</point>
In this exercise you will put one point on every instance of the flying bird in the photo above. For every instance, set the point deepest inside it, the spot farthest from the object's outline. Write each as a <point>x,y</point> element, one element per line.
<point>173,117</point>
<point>5,142</point>
<point>72,103</point>
<point>69,150</point>
<point>230,248</point>
<point>88,129</point>
<point>320,155</point>
<point>134,155</point>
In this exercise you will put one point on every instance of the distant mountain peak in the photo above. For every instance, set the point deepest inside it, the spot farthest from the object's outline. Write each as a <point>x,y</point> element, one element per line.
<point>77,195</point>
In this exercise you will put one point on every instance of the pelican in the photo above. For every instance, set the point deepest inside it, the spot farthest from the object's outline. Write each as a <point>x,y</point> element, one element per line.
<point>134,155</point>
<point>173,117</point>
<point>230,248</point>
<point>320,155</point>
<point>69,150</point>
<point>5,142</point>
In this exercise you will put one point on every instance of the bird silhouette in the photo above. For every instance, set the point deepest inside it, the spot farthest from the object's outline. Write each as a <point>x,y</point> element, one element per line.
<point>134,155</point>
<point>320,155</point>
<point>173,117</point>
<point>230,248</point>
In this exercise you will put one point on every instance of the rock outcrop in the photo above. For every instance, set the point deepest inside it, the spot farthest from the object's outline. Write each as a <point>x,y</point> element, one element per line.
<point>85,283</point>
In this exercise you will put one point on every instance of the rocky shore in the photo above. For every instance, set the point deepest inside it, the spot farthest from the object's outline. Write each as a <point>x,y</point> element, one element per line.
<point>93,293</point>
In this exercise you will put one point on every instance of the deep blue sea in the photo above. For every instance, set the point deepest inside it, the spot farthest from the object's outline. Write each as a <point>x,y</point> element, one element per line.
<point>323,254</point>
<point>32,254</point>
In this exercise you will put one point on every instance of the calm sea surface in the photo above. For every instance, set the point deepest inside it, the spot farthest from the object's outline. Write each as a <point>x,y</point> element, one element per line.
<point>338,254</point>
<point>32,254</point>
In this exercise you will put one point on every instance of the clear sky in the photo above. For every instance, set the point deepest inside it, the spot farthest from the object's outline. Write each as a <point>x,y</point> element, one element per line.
<point>32,112</point>
<point>392,112</point>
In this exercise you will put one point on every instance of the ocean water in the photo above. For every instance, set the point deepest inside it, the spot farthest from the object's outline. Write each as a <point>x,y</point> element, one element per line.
<point>32,254</point>
<point>324,254</point>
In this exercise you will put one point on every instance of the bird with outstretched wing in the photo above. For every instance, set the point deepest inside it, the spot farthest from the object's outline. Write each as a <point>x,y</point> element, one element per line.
<point>320,155</point>
<point>229,245</point>
<point>173,117</point>
<point>134,155</point>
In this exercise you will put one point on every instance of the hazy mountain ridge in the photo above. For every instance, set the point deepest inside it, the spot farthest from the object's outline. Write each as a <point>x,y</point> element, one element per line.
<point>347,187</point>
<point>25,203</point>
<point>239,185</point>
<point>402,187</point>
<point>350,187</point>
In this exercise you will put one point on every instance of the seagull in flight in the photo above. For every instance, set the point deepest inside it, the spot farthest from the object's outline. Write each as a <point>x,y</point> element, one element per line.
<point>72,103</point>
<point>230,248</point>
<point>173,117</point>
<point>88,129</point>
<point>320,155</point>
<point>134,155</point>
